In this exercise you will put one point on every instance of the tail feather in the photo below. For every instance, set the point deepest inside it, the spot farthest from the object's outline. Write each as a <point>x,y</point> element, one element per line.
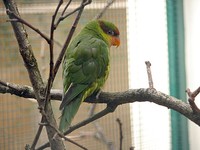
<point>68,114</point>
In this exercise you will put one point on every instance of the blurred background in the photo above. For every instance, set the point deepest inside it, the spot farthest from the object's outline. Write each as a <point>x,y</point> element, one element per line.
<point>164,32</point>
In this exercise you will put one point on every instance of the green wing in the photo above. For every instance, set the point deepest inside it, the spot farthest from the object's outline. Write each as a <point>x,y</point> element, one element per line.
<point>85,69</point>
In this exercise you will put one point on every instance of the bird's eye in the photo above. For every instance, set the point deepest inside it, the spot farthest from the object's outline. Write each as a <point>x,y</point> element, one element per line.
<point>110,32</point>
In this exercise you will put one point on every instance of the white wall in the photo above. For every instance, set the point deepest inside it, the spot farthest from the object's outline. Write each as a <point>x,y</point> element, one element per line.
<point>147,40</point>
<point>192,37</point>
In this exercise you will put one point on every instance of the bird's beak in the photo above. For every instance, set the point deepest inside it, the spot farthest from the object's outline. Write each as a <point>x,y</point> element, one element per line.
<point>116,41</point>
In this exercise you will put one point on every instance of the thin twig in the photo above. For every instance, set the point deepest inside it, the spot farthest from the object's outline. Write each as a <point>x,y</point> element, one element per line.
<point>150,79</point>
<point>120,133</point>
<point>36,137</point>
<point>196,92</point>
<point>51,61</point>
<point>18,19</point>
<point>66,6</point>
<point>191,99</point>
<point>100,14</point>
<point>63,16</point>
<point>39,131</point>
<point>43,35</point>
<point>53,27</point>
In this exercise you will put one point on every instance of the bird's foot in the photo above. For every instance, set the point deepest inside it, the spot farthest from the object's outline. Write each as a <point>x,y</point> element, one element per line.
<point>98,93</point>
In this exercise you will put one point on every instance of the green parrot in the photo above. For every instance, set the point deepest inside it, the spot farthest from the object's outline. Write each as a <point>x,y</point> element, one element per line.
<point>86,66</point>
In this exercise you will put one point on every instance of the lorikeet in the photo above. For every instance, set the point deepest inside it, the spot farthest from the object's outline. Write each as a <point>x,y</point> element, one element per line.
<point>86,66</point>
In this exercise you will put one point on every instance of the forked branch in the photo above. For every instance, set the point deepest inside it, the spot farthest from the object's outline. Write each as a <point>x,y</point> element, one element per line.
<point>191,99</point>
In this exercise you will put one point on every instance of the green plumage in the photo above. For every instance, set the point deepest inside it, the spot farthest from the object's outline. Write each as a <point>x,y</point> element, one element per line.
<point>85,69</point>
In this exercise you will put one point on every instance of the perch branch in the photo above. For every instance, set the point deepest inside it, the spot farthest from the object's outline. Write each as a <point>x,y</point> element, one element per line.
<point>130,96</point>
<point>25,91</point>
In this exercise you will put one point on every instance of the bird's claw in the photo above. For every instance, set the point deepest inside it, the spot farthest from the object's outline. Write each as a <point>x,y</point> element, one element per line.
<point>98,93</point>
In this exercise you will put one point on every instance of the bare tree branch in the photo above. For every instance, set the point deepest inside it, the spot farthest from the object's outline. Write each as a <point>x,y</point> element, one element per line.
<point>63,15</point>
<point>138,95</point>
<point>19,19</point>
<point>25,91</point>
<point>51,54</point>
<point>119,98</point>
<point>66,6</point>
<point>191,99</point>
<point>36,137</point>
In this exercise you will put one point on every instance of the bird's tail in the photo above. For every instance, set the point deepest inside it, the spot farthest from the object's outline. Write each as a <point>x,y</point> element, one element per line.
<point>68,114</point>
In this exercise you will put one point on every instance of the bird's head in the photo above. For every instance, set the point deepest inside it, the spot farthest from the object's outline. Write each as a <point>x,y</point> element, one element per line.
<point>109,32</point>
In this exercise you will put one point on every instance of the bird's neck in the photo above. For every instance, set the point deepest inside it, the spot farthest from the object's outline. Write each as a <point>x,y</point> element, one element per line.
<point>95,32</point>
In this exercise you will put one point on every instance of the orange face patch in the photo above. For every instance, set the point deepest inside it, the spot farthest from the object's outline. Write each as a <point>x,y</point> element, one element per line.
<point>115,41</point>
